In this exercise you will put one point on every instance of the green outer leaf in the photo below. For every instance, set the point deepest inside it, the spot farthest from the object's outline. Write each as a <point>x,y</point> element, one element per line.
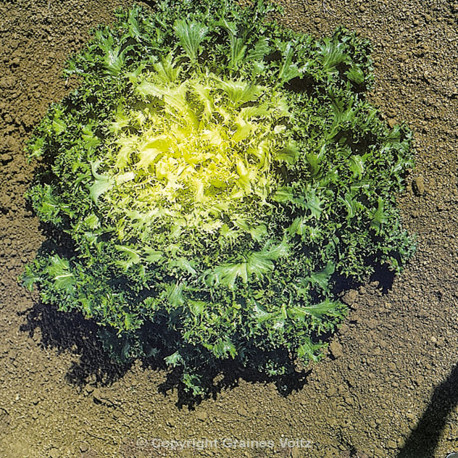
<point>327,307</point>
<point>191,35</point>
<point>309,350</point>
<point>101,184</point>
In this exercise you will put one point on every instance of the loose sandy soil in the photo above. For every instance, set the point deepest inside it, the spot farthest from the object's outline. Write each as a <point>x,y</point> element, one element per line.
<point>389,385</point>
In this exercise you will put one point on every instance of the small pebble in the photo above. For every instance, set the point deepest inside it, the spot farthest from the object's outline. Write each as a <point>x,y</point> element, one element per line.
<point>391,444</point>
<point>202,415</point>
<point>336,349</point>
<point>419,185</point>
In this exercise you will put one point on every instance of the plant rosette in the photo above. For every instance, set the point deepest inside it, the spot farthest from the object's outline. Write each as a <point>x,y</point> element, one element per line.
<point>211,183</point>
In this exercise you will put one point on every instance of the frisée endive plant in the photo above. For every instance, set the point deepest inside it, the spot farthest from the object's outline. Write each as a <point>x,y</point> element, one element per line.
<point>210,182</point>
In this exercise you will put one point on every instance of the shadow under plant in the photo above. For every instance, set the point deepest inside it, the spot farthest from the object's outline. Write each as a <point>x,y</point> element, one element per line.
<point>71,332</point>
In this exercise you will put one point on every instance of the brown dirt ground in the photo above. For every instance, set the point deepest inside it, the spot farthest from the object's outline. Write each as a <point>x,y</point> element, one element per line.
<point>389,386</point>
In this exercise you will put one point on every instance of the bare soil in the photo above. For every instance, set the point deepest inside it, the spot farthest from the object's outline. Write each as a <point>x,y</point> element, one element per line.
<point>389,385</point>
